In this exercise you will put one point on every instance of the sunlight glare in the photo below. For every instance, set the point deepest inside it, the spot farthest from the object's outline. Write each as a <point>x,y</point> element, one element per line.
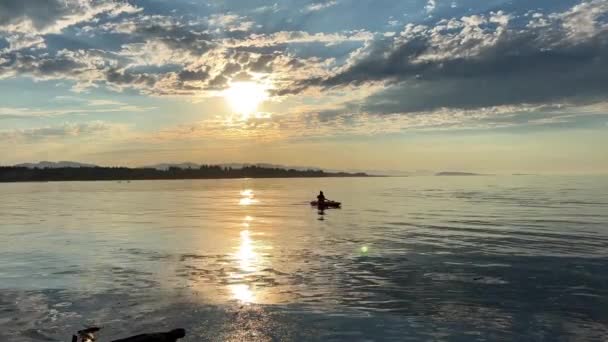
<point>242,293</point>
<point>246,255</point>
<point>248,263</point>
<point>245,97</point>
<point>248,198</point>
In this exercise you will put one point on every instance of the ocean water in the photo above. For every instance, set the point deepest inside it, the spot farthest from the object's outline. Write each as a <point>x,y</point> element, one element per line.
<point>422,258</point>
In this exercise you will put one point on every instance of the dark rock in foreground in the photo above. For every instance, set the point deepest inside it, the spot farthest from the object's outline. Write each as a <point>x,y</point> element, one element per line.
<point>88,335</point>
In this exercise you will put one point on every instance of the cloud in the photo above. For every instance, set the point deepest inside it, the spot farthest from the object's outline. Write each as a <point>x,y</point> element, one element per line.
<point>92,107</point>
<point>269,8</point>
<point>230,22</point>
<point>336,122</point>
<point>481,61</point>
<point>64,131</point>
<point>25,21</point>
<point>203,62</point>
<point>430,6</point>
<point>168,55</point>
<point>299,37</point>
<point>318,6</point>
<point>104,103</point>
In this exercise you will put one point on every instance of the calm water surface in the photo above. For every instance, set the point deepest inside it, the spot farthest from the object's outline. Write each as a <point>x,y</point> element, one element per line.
<point>420,258</point>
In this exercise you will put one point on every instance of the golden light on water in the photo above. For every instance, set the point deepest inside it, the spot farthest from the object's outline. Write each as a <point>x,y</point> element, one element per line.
<point>248,262</point>
<point>245,97</point>
<point>242,293</point>
<point>245,254</point>
<point>247,197</point>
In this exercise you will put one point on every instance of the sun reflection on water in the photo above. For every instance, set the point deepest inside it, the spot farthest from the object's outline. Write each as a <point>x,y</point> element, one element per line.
<point>248,262</point>
<point>246,255</point>
<point>242,293</point>
<point>247,197</point>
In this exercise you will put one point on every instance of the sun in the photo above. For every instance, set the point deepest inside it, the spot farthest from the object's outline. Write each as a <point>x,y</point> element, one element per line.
<point>245,97</point>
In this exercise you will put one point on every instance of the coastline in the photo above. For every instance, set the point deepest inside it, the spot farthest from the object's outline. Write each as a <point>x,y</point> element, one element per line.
<point>84,174</point>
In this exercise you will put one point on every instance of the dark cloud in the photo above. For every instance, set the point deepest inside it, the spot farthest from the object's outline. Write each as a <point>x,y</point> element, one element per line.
<point>125,77</point>
<point>193,75</point>
<point>41,13</point>
<point>43,16</point>
<point>62,65</point>
<point>176,36</point>
<point>263,63</point>
<point>25,22</point>
<point>219,82</point>
<point>481,61</point>
<point>231,69</point>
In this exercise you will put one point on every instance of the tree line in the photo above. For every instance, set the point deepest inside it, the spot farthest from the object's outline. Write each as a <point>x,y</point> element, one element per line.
<point>23,174</point>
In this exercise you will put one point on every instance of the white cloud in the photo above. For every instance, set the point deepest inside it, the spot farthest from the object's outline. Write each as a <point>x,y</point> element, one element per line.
<point>230,22</point>
<point>108,107</point>
<point>153,52</point>
<point>582,21</point>
<point>64,131</point>
<point>500,18</point>
<point>270,8</point>
<point>104,103</point>
<point>430,6</point>
<point>318,6</point>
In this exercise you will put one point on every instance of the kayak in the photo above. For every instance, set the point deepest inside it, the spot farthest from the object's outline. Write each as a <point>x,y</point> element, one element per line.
<point>326,204</point>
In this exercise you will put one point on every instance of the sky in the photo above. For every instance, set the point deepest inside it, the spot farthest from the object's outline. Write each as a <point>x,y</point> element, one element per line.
<point>496,86</point>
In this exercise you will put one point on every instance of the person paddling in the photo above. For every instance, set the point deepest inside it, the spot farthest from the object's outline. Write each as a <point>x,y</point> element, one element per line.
<point>321,198</point>
<point>324,203</point>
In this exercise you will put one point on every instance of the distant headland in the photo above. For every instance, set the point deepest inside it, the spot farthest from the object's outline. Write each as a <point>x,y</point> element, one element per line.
<point>70,171</point>
<point>459,174</point>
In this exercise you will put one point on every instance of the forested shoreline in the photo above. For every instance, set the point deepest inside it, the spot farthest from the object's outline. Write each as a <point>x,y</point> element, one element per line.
<point>24,174</point>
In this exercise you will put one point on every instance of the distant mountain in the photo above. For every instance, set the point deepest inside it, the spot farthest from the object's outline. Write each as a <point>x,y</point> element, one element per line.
<point>166,166</point>
<point>458,174</point>
<point>54,165</point>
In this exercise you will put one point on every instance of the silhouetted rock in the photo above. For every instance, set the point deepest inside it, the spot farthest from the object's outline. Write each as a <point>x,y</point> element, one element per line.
<point>171,336</point>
